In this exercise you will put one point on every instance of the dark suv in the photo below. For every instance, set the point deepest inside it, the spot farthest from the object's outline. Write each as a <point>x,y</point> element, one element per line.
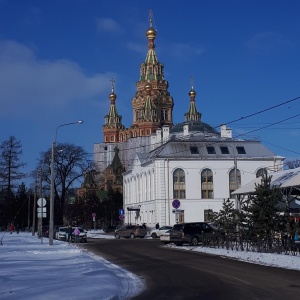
<point>189,233</point>
<point>131,231</point>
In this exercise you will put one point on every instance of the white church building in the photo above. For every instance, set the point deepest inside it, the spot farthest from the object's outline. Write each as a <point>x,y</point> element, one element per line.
<point>177,173</point>
<point>197,167</point>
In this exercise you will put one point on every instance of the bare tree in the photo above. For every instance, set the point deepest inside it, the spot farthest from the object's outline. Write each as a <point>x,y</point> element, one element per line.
<point>293,164</point>
<point>70,163</point>
<point>10,165</point>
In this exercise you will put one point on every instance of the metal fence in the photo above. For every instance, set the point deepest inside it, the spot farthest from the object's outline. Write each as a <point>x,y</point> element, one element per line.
<point>279,244</point>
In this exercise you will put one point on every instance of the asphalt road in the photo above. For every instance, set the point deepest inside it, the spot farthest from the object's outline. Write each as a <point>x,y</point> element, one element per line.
<point>178,274</point>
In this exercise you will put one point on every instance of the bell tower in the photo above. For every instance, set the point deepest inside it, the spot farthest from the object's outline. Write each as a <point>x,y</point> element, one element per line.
<point>113,121</point>
<point>152,104</point>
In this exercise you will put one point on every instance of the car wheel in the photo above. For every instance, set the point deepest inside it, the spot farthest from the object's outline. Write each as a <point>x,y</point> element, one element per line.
<point>132,236</point>
<point>194,241</point>
<point>179,244</point>
<point>154,235</point>
<point>117,236</point>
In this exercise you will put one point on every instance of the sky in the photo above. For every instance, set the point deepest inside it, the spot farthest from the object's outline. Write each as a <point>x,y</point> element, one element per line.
<point>57,59</point>
<point>29,268</point>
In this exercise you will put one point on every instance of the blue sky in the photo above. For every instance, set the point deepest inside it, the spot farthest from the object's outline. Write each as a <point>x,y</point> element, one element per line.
<point>57,58</point>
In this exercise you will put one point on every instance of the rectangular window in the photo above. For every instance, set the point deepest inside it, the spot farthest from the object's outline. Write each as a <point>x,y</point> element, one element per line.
<point>211,150</point>
<point>224,150</point>
<point>208,215</point>
<point>194,150</point>
<point>148,131</point>
<point>240,150</point>
<point>112,138</point>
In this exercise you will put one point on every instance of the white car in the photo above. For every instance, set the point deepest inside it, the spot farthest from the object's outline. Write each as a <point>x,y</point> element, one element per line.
<point>165,237</point>
<point>61,233</point>
<point>156,233</point>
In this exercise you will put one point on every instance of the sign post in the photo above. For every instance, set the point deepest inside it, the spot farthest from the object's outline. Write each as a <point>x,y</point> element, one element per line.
<point>176,210</point>
<point>41,212</point>
<point>94,220</point>
<point>121,214</point>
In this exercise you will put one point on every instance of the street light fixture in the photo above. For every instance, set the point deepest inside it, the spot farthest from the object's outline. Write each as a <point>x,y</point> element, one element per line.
<point>51,221</point>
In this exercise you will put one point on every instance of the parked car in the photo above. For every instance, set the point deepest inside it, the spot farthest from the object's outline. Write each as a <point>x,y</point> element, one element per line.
<point>61,233</point>
<point>165,237</point>
<point>110,228</point>
<point>82,235</point>
<point>131,231</point>
<point>190,233</point>
<point>156,233</point>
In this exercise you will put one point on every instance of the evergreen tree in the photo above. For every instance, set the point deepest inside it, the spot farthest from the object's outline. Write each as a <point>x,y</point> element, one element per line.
<point>264,210</point>
<point>10,165</point>
<point>227,217</point>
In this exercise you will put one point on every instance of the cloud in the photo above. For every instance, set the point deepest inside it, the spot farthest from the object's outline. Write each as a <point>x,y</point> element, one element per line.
<point>184,52</point>
<point>29,84</point>
<point>267,42</point>
<point>108,25</point>
<point>139,48</point>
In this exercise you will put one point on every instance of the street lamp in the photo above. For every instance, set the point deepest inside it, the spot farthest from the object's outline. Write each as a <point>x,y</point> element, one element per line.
<point>51,223</point>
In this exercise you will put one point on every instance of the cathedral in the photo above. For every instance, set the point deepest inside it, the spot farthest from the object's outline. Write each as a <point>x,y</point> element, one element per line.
<point>152,104</point>
<point>154,163</point>
<point>152,107</point>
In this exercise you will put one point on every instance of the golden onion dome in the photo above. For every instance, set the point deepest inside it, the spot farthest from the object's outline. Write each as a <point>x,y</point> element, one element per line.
<point>112,96</point>
<point>151,33</point>
<point>148,87</point>
<point>192,93</point>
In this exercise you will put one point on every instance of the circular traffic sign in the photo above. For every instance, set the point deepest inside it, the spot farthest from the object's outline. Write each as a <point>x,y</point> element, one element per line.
<point>121,217</point>
<point>93,215</point>
<point>176,203</point>
<point>41,202</point>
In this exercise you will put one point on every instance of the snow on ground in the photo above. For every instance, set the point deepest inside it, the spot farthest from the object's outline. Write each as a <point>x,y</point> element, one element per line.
<point>31,269</point>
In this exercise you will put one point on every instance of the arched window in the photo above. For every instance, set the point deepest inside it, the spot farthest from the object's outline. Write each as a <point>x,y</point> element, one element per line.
<point>261,172</point>
<point>234,180</point>
<point>207,184</point>
<point>179,184</point>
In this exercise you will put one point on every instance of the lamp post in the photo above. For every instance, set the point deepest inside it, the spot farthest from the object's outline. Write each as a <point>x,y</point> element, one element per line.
<point>51,221</point>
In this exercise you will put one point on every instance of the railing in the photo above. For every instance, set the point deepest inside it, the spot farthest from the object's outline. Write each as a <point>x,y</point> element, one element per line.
<point>279,244</point>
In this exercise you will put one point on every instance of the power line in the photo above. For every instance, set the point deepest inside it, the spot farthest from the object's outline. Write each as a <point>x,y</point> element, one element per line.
<point>262,111</point>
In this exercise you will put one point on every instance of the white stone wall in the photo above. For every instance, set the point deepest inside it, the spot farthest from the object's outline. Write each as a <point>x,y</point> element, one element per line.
<point>156,204</point>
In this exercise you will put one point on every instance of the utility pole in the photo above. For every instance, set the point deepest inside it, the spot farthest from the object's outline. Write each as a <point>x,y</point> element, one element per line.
<point>28,213</point>
<point>34,209</point>
<point>42,204</point>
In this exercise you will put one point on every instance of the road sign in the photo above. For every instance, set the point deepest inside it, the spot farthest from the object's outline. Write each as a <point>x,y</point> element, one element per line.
<point>39,214</point>
<point>41,202</point>
<point>176,211</point>
<point>176,203</point>
<point>121,211</point>
<point>93,215</point>
<point>41,209</point>
<point>121,217</point>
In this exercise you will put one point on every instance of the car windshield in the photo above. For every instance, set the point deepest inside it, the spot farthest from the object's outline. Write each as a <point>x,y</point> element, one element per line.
<point>63,229</point>
<point>178,227</point>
